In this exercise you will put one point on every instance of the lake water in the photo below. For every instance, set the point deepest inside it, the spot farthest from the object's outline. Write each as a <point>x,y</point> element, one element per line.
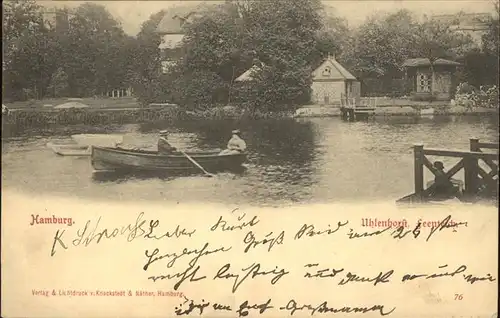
<point>291,161</point>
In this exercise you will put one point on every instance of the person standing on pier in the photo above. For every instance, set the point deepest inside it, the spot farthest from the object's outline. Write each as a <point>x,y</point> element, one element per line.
<point>235,145</point>
<point>164,147</point>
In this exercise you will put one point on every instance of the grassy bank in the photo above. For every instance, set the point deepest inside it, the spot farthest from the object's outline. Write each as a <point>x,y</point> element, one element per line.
<point>47,119</point>
<point>95,103</point>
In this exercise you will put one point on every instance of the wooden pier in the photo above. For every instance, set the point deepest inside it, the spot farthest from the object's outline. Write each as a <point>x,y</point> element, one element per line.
<point>353,109</point>
<point>479,184</point>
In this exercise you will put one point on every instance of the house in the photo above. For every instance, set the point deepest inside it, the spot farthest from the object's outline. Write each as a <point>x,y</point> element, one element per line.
<point>171,30</point>
<point>474,24</point>
<point>331,82</point>
<point>56,18</point>
<point>418,75</point>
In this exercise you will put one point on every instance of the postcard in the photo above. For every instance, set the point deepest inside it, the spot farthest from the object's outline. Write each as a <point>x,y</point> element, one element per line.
<point>250,158</point>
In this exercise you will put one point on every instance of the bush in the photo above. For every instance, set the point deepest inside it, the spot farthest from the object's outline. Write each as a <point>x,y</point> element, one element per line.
<point>198,90</point>
<point>470,97</point>
<point>275,90</point>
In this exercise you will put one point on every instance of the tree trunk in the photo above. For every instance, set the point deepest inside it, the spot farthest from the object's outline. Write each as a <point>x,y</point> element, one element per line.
<point>231,87</point>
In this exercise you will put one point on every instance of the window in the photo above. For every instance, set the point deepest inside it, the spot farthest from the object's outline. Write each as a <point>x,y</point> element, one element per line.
<point>327,72</point>
<point>424,83</point>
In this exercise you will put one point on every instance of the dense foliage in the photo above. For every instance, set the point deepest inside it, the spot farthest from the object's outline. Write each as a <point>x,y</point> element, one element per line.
<point>87,53</point>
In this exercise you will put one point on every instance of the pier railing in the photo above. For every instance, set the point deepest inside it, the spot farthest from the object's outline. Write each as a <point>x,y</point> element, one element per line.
<point>359,102</point>
<point>477,181</point>
<point>352,109</point>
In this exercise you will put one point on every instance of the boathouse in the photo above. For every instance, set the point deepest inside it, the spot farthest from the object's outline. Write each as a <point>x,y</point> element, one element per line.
<point>332,83</point>
<point>423,86</point>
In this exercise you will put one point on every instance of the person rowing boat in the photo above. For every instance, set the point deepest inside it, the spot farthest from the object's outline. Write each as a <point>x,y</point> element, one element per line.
<point>164,147</point>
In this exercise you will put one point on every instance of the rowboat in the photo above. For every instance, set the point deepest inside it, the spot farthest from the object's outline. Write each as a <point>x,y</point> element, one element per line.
<point>80,144</point>
<point>130,160</point>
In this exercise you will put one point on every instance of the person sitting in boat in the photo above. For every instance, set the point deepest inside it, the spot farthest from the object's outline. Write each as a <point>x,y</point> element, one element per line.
<point>235,145</point>
<point>444,187</point>
<point>164,146</point>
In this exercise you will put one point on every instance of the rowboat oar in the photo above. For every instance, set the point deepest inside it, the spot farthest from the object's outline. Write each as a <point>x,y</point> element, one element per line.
<point>196,164</point>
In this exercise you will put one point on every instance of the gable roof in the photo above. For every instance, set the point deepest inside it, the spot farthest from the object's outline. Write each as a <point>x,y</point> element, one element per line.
<point>426,62</point>
<point>247,76</point>
<point>175,17</point>
<point>339,71</point>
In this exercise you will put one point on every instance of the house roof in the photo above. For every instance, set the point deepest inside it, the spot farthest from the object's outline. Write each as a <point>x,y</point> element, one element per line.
<point>175,17</point>
<point>247,76</point>
<point>341,72</point>
<point>425,62</point>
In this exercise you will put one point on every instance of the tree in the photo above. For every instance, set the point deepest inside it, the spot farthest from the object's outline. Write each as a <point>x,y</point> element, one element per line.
<point>491,45</point>
<point>380,45</point>
<point>198,90</point>
<point>94,53</point>
<point>145,61</point>
<point>285,41</point>
<point>59,83</point>
<point>334,35</point>
<point>434,39</point>
<point>25,60</point>
<point>491,37</point>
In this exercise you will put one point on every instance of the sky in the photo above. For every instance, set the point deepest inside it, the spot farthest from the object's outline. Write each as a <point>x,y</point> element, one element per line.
<point>132,13</point>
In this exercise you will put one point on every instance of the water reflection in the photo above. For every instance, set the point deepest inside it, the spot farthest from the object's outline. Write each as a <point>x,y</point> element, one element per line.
<point>290,161</point>
<point>124,176</point>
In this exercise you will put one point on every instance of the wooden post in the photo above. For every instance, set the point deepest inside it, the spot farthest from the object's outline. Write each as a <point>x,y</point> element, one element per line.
<point>474,144</point>
<point>418,153</point>
<point>351,114</point>
<point>471,176</point>
<point>471,170</point>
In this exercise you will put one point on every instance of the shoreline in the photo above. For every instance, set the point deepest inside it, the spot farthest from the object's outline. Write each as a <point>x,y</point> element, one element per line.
<point>314,111</point>
<point>20,120</point>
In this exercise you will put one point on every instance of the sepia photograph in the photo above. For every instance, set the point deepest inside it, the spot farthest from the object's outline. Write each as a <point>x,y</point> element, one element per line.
<point>297,105</point>
<point>370,118</point>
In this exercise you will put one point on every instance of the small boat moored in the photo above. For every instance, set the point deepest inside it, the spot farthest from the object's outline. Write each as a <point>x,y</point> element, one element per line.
<point>69,149</point>
<point>103,140</point>
<point>80,144</point>
<point>128,160</point>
